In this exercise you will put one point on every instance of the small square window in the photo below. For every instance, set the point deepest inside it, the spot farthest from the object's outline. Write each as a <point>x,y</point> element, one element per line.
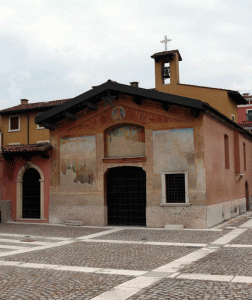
<point>174,187</point>
<point>14,123</point>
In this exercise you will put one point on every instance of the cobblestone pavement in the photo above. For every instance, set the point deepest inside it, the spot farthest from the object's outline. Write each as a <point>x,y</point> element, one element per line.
<point>186,289</point>
<point>48,230</point>
<point>44,284</point>
<point>63,262</point>
<point>228,261</point>
<point>245,238</point>
<point>173,236</point>
<point>105,255</point>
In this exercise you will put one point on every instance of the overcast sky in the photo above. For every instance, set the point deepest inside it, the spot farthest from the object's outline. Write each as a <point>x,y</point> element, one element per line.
<point>56,49</point>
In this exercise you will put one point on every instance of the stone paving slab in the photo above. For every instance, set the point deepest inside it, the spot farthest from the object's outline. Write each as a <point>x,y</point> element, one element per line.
<point>105,255</point>
<point>48,230</point>
<point>175,236</point>
<point>243,239</point>
<point>35,284</point>
<point>225,261</point>
<point>176,289</point>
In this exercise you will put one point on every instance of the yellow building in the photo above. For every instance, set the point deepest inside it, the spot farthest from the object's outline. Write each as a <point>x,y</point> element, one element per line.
<point>18,123</point>
<point>167,81</point>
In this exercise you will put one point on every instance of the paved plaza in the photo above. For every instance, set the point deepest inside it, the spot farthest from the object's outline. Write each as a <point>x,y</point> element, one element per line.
<point>40,261</point>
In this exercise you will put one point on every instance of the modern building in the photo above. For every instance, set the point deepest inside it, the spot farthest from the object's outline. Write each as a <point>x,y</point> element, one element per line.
<point>245,113</point>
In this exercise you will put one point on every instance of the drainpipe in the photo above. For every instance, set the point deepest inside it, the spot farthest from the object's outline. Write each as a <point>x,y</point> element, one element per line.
<point>1,140</point>
<point>25,102</point>
<point>28,129</point>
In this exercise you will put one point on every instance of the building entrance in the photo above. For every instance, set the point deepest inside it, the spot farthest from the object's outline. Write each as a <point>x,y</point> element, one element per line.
<point>126,196</point>
<point>31,194</point>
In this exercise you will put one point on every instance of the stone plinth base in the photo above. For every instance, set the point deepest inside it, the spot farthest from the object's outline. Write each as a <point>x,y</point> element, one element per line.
<point>173,227</point>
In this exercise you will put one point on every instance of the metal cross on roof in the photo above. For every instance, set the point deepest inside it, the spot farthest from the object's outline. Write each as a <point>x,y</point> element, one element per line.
<point>165,41</point>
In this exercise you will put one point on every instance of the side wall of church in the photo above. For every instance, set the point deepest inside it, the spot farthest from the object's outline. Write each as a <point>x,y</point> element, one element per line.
<point>226,180</point>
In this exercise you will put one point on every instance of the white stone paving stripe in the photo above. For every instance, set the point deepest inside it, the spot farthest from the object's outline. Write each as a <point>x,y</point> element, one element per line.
<point>37,248</point>
<point>144,243</point>
<point>205,277</point>
<point>73,268</point>
<point>229,236</point>
<point>117,294</point>
<point>176,244</point>
<point>77,269</point>
<point>23,236</point>
<point>127,289</point>
<point>113,241</point>
<point>238,246</point>
<point>23,242</point>
<point>12,247</point>
<point>121,272</point>
<point>246,225</point>
<point>243,279</point>
<point>94,235</point>
<point>185,260</point>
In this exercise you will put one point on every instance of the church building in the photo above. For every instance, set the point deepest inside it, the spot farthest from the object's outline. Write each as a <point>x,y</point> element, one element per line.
<point>124,155</point>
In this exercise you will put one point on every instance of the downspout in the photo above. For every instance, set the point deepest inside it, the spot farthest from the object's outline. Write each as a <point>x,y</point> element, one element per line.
<point>28,129</point>
<point>1,140</point>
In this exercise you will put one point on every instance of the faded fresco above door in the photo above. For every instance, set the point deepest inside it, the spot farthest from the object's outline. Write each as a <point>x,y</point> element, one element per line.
<point>77,160</point>
<point>125,141</point>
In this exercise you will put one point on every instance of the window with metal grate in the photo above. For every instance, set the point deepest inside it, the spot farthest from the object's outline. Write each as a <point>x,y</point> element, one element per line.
<point>175,188</point>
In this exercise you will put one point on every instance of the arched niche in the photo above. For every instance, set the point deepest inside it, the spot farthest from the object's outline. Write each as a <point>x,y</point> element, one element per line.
<point>124,140</point>
<point>19,189</point>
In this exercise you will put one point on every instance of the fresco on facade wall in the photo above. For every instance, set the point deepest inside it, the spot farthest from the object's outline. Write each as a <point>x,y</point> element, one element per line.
<point>77,159</point>
<point>173,150</point>
<point>125,141</point>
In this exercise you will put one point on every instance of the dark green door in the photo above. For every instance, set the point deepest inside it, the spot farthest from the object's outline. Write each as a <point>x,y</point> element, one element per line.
<point>126,196</point>
<point>31,194</point>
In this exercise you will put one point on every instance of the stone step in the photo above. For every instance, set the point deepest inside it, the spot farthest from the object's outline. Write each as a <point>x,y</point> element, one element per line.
<point>174,227</point>
<point>73,223</point>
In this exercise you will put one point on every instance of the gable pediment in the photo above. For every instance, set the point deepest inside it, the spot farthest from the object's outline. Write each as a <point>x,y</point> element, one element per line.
<point>93,97</point>
<point>125,111</point>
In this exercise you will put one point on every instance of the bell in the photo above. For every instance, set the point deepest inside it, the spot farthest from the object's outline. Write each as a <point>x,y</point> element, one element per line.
<point>166,72</point>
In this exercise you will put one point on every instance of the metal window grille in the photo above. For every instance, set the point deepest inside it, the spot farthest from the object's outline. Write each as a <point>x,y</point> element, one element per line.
<point>175,188</point>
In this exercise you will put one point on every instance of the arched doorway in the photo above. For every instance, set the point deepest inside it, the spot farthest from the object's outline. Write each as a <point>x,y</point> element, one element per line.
<point>126,196</point>
<point>31,194</point>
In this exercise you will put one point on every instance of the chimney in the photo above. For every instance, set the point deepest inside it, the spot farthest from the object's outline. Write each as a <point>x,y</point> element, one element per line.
<point>24,101</point>
<point>134,83</point>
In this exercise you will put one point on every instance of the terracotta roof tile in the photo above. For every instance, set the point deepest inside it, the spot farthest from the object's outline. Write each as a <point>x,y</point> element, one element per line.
<point>33,106</point>
<point>40,147</point>
<point>164,54</point>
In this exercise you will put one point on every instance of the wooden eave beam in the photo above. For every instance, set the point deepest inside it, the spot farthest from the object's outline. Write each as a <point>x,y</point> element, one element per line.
<point>165,106</point>
<point>90,105</point>
<point>69,115</point>
<point>48,125</point>
<point>138,100</point>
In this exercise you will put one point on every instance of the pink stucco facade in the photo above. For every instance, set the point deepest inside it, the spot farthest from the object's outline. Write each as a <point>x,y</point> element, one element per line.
<point>224,184</point>
<point>10,170</point>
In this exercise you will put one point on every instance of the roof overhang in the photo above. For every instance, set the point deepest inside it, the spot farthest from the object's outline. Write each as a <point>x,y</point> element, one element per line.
<point>237,97</point>
<point>24,150</point>
<point>92,97</point>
